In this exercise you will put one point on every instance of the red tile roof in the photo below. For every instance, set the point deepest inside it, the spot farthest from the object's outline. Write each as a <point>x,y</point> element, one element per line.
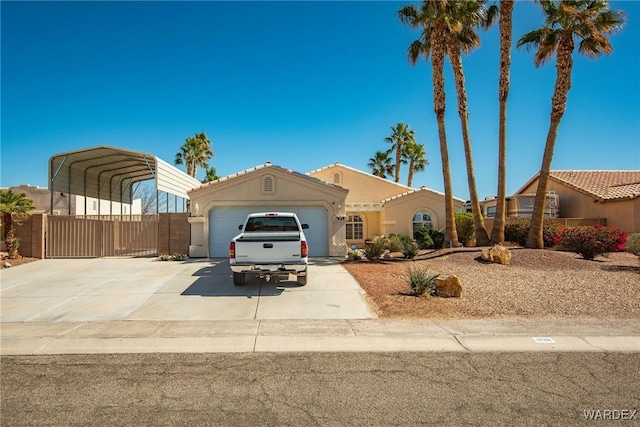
<point>605,185</point>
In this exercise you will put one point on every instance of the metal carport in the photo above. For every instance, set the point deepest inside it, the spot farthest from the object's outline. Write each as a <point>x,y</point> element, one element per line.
<point>109,173</point>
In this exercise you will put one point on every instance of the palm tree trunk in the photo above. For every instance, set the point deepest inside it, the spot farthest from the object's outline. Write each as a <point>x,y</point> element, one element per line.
<point>9,236</point>
<point>482,238</point>
<point>410,175</point>
<point>398,156</point>
<point>437,65</point>
<point>564,65</point>
<point>506,30</point>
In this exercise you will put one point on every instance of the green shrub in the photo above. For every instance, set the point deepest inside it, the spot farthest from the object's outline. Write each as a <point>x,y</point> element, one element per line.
<point>356,254</point>
<point>410,249</point>
<point>395,242</point>
<point>465,228</point>
<point>421,281</point>
<point>517,231</point>
<point>633,244</point>
<point>437,237</point>
<point>429,238</point>
<point>179,257</point>
<point>374,250</point>
<point>165,257</point>
<point>590,241</point>
<point>423,236</point>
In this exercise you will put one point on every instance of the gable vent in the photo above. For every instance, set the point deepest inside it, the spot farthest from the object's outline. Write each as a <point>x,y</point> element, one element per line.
<point>268,185</point>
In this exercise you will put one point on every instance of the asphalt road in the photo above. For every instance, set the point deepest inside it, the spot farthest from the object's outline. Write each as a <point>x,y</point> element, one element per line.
<point>360,389</point>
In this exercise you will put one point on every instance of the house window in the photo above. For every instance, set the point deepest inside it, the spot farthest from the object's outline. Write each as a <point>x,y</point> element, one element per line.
<point>355,228</point>
<point>422,219</point>
<point>268,185</point>
<point>95,206</point>
<point>336,178</point>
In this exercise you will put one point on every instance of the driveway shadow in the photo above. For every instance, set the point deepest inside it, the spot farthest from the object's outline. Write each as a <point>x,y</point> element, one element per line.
<point>215,279</point>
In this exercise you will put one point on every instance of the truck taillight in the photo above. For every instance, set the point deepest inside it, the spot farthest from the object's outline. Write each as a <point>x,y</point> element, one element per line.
<point>232,250</point>
<point>304,249</point>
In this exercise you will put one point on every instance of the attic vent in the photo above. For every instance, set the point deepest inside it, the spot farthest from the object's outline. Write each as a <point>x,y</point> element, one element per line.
<point>268,185</point>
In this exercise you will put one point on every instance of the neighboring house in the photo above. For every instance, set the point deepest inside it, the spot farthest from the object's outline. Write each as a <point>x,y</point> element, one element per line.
<point>342,206</point>
<point>376,206</point>
<point>613,195</point>
<point>65,204</point>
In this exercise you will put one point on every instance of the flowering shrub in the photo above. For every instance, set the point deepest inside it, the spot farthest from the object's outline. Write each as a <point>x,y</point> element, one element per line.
<point>552,234</point>
<point>589,241</point>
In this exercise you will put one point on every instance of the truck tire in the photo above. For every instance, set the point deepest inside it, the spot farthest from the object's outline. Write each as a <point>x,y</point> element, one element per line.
<point>301,280</point>
<point>238,279</point>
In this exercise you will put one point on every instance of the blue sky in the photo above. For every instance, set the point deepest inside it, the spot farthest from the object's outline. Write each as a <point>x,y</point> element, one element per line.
<point>301,84</point>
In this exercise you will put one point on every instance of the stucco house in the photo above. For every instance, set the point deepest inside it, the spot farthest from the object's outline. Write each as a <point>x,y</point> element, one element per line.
<point>342,206</point>
<point>613,195</point>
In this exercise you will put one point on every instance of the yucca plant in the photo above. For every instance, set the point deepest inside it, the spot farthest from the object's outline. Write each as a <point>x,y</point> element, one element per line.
<point>421,281</point>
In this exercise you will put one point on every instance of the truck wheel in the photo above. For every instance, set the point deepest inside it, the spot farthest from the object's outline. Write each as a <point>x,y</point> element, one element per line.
<point>238,279</point>
<point>301,279</point>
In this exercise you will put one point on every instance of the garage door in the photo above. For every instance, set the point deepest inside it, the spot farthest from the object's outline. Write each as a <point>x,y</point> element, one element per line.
<point>224,222</point>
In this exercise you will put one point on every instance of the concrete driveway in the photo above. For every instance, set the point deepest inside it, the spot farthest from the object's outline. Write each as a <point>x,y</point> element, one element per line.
<point>106,289</point>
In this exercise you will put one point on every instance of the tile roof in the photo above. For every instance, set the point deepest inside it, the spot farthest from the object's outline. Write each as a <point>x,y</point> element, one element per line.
<point>605,185</point>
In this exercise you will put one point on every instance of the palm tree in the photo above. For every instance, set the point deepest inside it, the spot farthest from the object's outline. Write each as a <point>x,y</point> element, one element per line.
<point>589,22</point>
<point>196,151</point>
<point>15,207</point>
<point>431,17</point>
<point>210,175</point>
<point>415,154</point>
<point>506,31</point>
<point>463,17</point>
<point>380,164</point>
<point>401,135</point>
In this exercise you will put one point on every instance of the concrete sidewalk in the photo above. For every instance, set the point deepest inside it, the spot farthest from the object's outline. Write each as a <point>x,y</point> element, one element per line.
<point>343,335</point>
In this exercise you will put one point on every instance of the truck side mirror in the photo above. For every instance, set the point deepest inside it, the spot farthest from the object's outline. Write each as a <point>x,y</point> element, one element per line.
<point>305,226</point>
<point>240,227</point>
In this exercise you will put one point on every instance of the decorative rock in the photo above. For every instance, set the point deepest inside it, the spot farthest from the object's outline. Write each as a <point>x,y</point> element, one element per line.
<point>6,264</point>
<point>496,253</point>
<point>448,287</point>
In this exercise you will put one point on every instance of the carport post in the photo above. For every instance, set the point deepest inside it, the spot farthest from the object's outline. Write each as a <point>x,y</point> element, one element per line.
<point>53,179</point>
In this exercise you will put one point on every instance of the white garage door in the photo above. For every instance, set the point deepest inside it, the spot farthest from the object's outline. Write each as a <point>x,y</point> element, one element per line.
<point>224,222</point>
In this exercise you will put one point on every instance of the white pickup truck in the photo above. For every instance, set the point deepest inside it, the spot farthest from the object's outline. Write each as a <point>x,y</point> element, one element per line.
<point>271,245</point>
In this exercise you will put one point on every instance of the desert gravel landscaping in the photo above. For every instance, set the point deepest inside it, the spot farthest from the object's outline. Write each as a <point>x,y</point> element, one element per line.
<point>537,284</point>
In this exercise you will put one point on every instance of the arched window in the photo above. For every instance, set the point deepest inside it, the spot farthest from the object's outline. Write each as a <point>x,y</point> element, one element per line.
<point>355,228</point>
<point>336,178</point>
<point>422,219</point>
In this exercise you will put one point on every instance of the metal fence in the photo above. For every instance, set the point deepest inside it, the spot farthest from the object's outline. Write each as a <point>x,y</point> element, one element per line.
<point>80,236</point>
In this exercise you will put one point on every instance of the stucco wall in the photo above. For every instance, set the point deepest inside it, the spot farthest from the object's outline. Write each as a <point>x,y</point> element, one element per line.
<point>363,188</point>
<point>623,214</point>
<point>402,211</point>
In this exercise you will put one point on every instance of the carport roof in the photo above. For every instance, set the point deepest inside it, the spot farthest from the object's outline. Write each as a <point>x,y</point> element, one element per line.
<point>108,173</point>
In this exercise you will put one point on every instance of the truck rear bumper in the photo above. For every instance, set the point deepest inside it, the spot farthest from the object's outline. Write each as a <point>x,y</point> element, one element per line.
<point>269,268</point>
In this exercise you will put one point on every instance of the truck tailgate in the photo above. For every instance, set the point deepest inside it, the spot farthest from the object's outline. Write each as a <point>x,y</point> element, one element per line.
<point>265,248</point>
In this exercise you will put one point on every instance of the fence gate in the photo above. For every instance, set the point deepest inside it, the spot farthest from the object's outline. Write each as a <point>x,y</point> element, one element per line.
<point>80,236</point>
